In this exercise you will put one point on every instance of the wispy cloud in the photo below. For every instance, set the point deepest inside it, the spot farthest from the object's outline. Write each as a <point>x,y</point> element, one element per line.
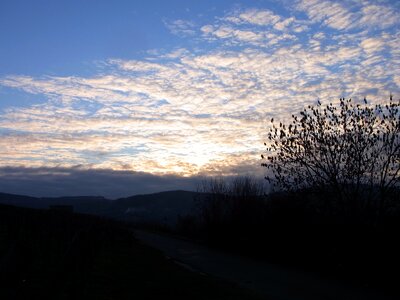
<point>181,27</point>
<point>350,14</point>
<point>330,13</point>
<point>378,16</point>
<point>261,17</point>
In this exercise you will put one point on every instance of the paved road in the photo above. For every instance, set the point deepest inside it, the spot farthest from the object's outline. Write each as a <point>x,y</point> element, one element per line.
<point>275,282</point>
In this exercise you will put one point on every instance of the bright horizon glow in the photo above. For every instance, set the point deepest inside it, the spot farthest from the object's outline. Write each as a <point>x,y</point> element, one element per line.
<point>184,88</point>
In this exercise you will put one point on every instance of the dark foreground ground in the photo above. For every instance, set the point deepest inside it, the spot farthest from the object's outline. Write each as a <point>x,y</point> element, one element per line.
<point>56,255</point>
<point>270,280</point>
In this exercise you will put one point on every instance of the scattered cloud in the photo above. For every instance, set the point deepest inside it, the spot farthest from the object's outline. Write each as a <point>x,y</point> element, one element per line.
<point>371,45</point>
<point>332,14</point>
<point>378,16</point>
<point>282,26</point>
<point>181,27</point>
<point>203,111</point>
<point>261,17</point>
<point>350,14</point>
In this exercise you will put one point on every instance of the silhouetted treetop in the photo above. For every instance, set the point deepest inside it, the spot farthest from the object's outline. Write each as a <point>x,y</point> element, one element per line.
<point>350,149</point>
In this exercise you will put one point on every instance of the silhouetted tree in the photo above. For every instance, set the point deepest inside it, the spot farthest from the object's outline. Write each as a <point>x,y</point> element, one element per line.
<point>231,205</point>
<point>351,150</point>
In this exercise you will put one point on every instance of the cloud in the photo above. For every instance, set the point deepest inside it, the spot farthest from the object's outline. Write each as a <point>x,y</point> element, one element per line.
<point>75,181</point>
<point>332,14</point>
<point>350,15</point>
<point>257,27</point>
<point>261,17</point>
<point>378,16</point>
<point>371,45</point>
<point>181,27</point>
<point>282,26</point>
<point>203,110</point>
<point>235,35</point>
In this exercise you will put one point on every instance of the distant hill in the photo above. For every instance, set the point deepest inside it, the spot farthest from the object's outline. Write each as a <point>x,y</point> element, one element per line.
<point>164,207</point>
<point>85,204</point>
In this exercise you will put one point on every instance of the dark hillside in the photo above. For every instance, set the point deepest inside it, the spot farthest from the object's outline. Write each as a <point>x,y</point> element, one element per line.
<point>163,208</point>
<point>83,204</point>
<point>23,201</point>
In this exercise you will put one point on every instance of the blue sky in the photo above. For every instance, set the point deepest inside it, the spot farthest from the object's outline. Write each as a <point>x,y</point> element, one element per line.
<point>64,37</point>
<point>178,88</point>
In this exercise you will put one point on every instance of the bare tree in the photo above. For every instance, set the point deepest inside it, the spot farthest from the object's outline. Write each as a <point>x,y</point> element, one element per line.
<point>231,202</point>
<point>352,150</point>
<point>214,207</point>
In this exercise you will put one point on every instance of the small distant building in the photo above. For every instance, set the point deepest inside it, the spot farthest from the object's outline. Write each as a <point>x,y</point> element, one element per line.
<point>62,208</point>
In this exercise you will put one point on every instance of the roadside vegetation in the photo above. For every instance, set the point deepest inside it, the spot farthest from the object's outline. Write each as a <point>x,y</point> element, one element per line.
<point>334,206</point>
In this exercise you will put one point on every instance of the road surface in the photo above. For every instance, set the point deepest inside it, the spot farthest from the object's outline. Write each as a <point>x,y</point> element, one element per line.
<point>273,282</point>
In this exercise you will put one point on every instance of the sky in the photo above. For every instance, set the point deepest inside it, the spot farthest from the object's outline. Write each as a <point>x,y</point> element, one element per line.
<point>116,98</point>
